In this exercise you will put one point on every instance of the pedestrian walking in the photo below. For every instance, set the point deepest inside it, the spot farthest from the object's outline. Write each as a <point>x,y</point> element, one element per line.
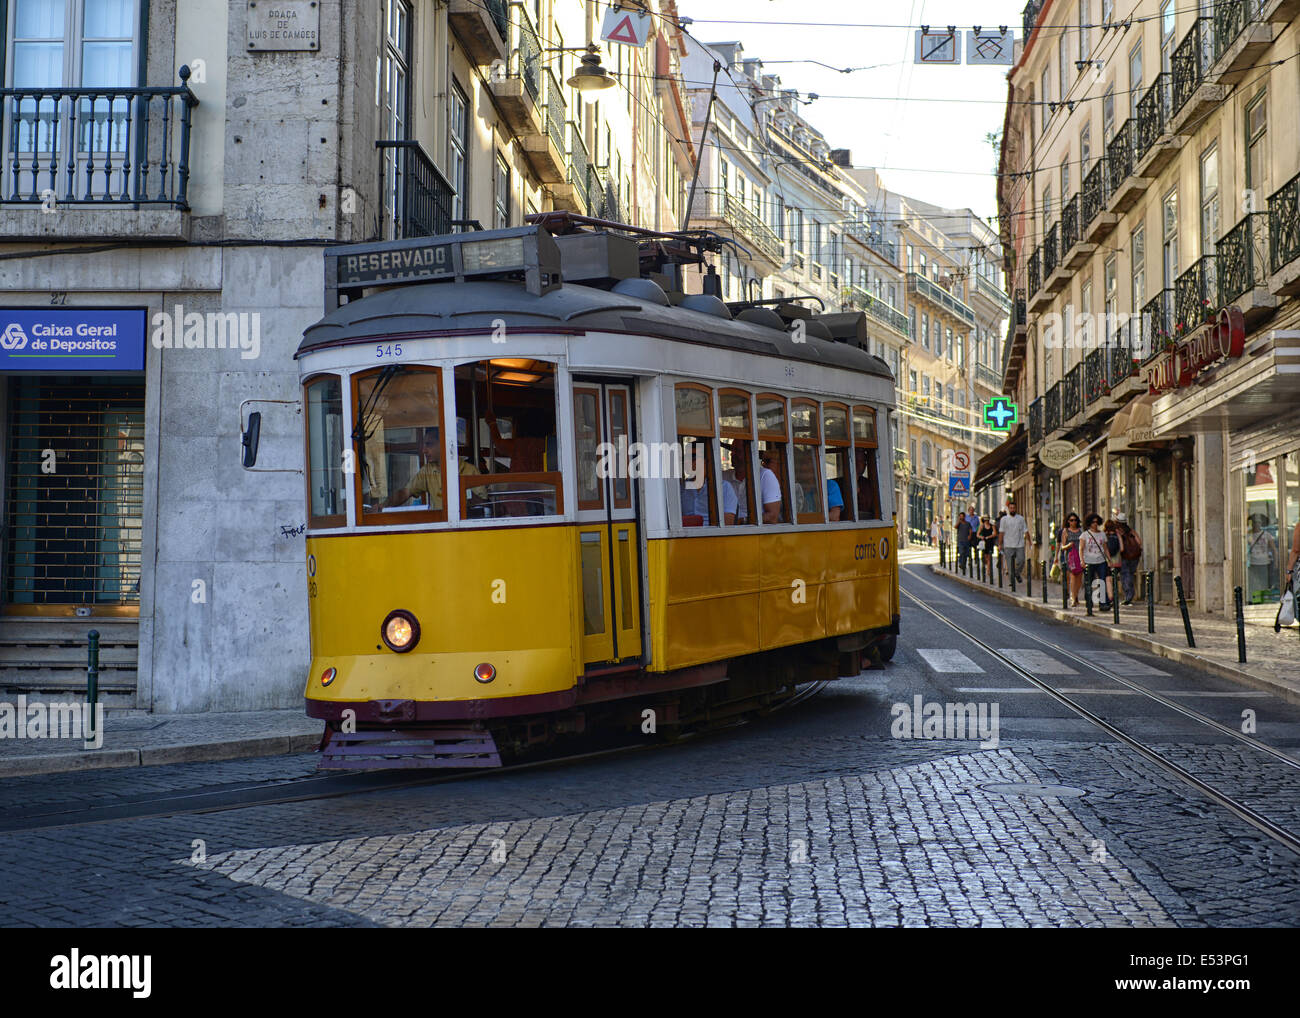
<point>1012,529</point>
<point>1070,559</point>
<point>964,543</point>
<point>1130,554</point>
<point>1094,553</point>
<point>939,536</point>
<point>986,537</point>
<point>1113,560</point>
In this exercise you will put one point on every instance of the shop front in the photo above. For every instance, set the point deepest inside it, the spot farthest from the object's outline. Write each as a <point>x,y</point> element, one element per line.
<point>920,512</point>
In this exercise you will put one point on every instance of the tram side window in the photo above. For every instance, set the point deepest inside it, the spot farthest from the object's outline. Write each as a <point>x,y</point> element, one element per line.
<point>804,426</point>
<point>865,449</point>
<point>735,424</point>
<point>509,408</point>
<point>694,406</point>
<point>326,501</point>
<point>399,444</point>
<point>839,487</point>
<point>773,471</point>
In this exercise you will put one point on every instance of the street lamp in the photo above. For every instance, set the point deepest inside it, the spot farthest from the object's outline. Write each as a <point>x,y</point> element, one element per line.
<point>590,75</point>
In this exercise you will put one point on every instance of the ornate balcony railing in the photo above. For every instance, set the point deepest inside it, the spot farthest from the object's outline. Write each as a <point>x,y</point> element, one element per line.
<point>881,311</point>
<point>1157,326</point>
<point>557,110</point>
<point>417,197</point>
<point>1284,224</point>
<point>1072,393</point>
<point>1022,310</point>
<point>1120,364</point>
<point>1096,376</point>
<point>1192,61</point>
<point>758,232</point>
<point>96,146</point>
<point>1030,16</point>
<point>500,16</point>
<point>1036,271</point>
<point>1051,250</point>
<point>992,292</point>
<point>872,235</point>
<point>987,376</point>
<point>1052,409</point>
<point>1242,258</point>
<point>936,294</point>
<point>528,57</point>
<point>1195,293</point>
<point>1094,195</point>
<point>604,196</point>
<point>1154,110</point>
<point>579,165</point>
<point>1230,19</point>
<point>1121,153</point>
<point>1036,421</point>
<point>1070,225</point>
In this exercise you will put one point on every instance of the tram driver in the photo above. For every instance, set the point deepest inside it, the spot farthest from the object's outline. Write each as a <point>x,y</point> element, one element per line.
<point>427,482</point>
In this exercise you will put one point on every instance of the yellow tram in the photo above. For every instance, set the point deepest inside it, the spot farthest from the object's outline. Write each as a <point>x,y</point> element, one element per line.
<point>547,492</point>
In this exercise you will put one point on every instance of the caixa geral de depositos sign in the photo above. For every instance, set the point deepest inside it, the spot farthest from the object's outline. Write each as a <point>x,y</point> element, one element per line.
<point>72,339</point>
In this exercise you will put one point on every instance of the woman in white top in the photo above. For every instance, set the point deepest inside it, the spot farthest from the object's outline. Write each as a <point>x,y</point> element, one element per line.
<point>1092,545</point>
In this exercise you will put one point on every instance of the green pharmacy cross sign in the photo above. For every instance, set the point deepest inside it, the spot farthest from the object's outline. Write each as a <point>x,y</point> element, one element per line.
<point>1000,414</point>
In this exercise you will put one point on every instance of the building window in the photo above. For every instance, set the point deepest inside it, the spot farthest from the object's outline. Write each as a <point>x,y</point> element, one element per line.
<point>925,330</point>
<point>911,314</point>
<point>1108,115</point>
<point>1168,18</point>
<point>1134,78</point>
<point>393,102</point>
<point>1085,151</point>
<point>911,381</point>
<point>1209,199</point>
<point>1065,176</point>
<point>1256,152</point>
<point>1169,239</point>
<point>459,153</point>
<point>1063,62</point>
<point>1138,266</point>
<point>1111,283</point>
<point>1044,92</point>
<point>1085,32</point>
<point>501,190</point>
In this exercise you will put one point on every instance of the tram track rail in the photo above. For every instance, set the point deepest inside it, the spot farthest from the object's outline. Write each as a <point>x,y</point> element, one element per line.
<point>1241,810</point>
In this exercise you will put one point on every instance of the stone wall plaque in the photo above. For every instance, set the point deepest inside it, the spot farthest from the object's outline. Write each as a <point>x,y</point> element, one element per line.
<point>283,25</point>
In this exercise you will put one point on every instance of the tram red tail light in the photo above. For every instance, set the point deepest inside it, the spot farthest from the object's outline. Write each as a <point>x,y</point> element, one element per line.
<point>485,672</point>
<point>328,675</point>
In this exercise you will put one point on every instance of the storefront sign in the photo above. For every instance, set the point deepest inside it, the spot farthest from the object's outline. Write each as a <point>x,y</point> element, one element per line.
<point>71,339</point>
<point>1224,337</point>
<point>283,25</point>
<point>1055,455</point>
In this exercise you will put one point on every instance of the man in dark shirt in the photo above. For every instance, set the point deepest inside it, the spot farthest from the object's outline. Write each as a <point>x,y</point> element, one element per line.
<point>964,532</point>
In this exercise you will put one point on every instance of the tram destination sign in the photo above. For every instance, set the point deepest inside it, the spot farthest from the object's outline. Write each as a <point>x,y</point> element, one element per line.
<point>54,339</point>
<point>398,264</point>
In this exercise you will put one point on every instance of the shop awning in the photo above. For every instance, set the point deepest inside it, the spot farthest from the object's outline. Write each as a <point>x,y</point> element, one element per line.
<point>1130,430</point>
<point>1080,462</point>
<point>992,464</point>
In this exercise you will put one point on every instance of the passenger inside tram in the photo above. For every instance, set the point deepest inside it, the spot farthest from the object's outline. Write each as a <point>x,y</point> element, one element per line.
<point>735,483</point>
<point>770,489</point>
<point>426,485</point>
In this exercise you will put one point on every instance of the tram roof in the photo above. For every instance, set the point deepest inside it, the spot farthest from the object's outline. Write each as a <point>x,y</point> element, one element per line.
<point>458,308</point>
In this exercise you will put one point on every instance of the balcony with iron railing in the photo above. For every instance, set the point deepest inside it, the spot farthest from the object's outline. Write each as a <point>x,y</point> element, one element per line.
<point>938,296</point>
<point>1072,395</point>
<point>1120,365</point>
<point>1125,186</point>
<point>1052,409</point>
<point>1096,376</point>
<point>987,288</point>
<point>1021,310</point>
<point>985,375</point>
<point>1157,326</point>
<point>1284,235</point>
<point>574,195</point>
<point>483,27</point>
<point>1196,292</point>
<point>752,228</point>
<point>1051,251</point>
<point>605,200</point>
<point>1036,421</point>
<point>872,236</point>
<point>1069,226</point>
<point>1035,272</point>
<point>1193,58</point>
<point>1242,262</point>
<point>96,148</point>
<point>1241,35</point>
<point>1154,148</point>
<point>417,198</point>
<point>882,311</point>
<point>1095,222</point>
<point>1029,17</point>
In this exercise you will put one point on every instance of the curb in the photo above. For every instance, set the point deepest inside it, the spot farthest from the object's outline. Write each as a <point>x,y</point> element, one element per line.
<point>195,752</point>
<point>1279,689</point>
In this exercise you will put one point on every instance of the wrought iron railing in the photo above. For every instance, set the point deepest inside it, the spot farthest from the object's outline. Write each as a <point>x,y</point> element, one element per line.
<point>96,146</point>
<point>1096,375</point>
<point>417,197</point>
<point>872,235</point>
<point>991,290</point>
<point>1022,308</point>
<point>1242,258</point>
<point>1157,325</point>
<point>1195,293</point>
<point>1052,409</point>
<point>528,57</point>
<point>1070,225</point>
<point>1192,61</point>
<point>1284,224</point>
<point>1072,393</point>
<point>882,311</point>
<point>987,376</point>
<point>1230,19</point>
<point>936,294</point>
<point>1154,111</point>
<point>1051,250</point>
<point>1030,16</point>
<point>1121,153</point>
<point>1120,365</point>
<point>500,17</point>
<point>1093,198</point>
<point>579,165</point>
<point>1036,421</point>
<point>604,195</point>
<point>557,110</point>
<point>1036,271</point>
<point>744,220</point>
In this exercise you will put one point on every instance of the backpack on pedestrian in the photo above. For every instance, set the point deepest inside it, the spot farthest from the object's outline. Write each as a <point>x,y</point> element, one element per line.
<point>1130,545</point>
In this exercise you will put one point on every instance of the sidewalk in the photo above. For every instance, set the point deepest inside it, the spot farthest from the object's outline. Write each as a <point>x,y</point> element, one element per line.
<point>1273,659</point>
<point>136,740</point>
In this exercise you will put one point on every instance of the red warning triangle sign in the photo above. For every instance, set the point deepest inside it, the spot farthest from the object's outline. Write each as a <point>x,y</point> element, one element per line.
<point>625,32</point>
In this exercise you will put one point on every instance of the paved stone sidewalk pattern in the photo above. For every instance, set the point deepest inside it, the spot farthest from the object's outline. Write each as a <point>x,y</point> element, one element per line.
<point>912,846</point>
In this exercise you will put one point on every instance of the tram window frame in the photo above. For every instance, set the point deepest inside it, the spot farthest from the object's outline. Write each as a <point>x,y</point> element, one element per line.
<point>776,442</point>
<point>392,517</point>
<point>840,449</point>
<point>333,519</point>
<point>873,509</point>
<point>800,451</point>
<point>745,435</point>
<point>620,427</point>
<point>709,438</point>
<point>592,392</point>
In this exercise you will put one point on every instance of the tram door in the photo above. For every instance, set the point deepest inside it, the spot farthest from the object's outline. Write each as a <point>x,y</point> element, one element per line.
<point>608,542</point>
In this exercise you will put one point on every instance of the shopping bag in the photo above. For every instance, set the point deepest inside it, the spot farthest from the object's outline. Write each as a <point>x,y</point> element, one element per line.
<point>1055,573</point>
<point>1075,560</point>
<point>1286,613</point>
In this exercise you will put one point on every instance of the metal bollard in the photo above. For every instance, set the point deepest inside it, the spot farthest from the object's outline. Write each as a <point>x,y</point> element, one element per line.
<point>1087,588</point>
<point>1065,589</point>
<point>1241,624</point>
<point>1114,595</point>
<point>1182,606</point>
<point>1150,580</point>
<point>1001,570</point>
<point>1044,581</point>
<point>1029,578</point>
<point>92,675</point>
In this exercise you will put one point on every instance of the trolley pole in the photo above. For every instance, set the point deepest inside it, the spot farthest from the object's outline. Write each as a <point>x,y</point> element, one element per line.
<point>1182,606</point>
<point>1150,580</point>
<point>1241,624</point>
<point>92,677</point>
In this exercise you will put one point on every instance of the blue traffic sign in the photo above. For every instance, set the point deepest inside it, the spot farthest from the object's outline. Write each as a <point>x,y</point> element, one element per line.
<point>958,483</point>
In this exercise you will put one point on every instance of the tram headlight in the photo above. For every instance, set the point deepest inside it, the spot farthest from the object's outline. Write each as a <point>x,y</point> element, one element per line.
<point>400,631</point>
